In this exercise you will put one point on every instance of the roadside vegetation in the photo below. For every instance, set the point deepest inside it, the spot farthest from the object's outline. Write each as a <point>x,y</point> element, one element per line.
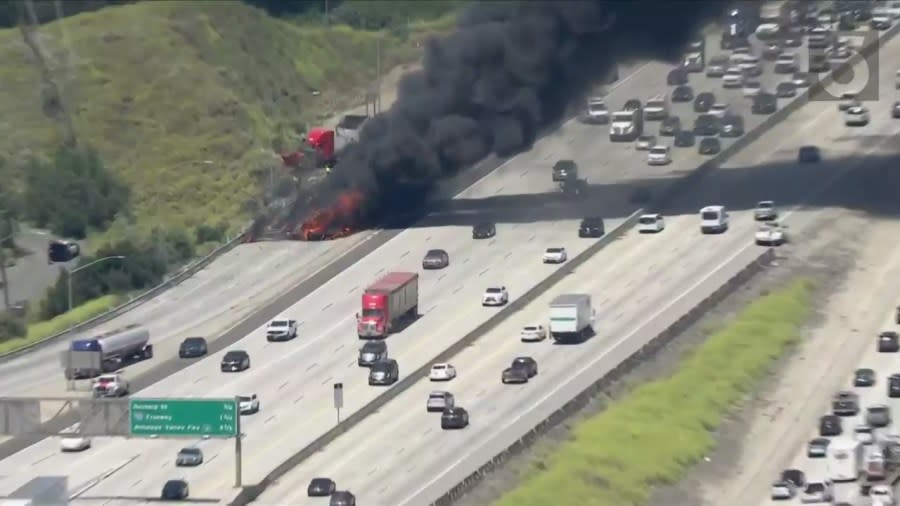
<point>152,129</point>
<point>661,428</point>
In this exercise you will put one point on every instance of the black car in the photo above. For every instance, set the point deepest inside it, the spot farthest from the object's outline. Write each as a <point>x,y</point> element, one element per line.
<point>731,126</point>
<point>384,372</point>
<point>591,227</point>
<point>670,126</point>
<point>764,103</point>
<point>888,342</point>
<point>684,139</point>
<point>893,386</point>
<point>563,169</point>
<point>683,93</point>
<point>321,487</point>
<point>483,230</point>
<point>372,352</point>
<point>342,498</point>
<point>786,90</point>
<point>632,104</point>
<point>235,360</point>
<point>880,23</point>
<point>704,102</point>
<point>817,448</point>
<point>677,77</point>
<point>845,404</point>
<point>788,484</point>
<point>454,418</point>
<point>864,378</point>
<point>709,146</point>
<point>192,347</point>
<point>435,259</point>
<point>706,125</point>
<point>528,364</point>
<point>520,371</point>
<point>895,110</point>
<point>830,425</point>
<point>809,154</point>
<point>175,490</point>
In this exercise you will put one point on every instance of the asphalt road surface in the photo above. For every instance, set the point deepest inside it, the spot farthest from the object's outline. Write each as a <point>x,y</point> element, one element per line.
<point>294,379</point>
<point>401,456</point>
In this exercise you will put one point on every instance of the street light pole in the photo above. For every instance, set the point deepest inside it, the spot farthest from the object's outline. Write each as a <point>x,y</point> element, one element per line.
<point>85,266</point>
<point>3,278</point>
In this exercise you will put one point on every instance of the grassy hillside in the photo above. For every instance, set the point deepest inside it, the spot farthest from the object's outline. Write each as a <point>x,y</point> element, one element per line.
<point>186,100</point>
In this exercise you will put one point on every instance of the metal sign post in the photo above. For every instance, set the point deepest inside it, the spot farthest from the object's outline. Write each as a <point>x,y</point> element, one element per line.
<point>338,399</point>
<point>237,447</point>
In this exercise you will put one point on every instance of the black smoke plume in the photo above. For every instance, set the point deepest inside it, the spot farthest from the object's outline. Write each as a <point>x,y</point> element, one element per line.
<point>510,69</point>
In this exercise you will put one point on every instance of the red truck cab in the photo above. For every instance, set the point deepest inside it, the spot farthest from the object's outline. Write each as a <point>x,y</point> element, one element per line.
<point>386,303</point>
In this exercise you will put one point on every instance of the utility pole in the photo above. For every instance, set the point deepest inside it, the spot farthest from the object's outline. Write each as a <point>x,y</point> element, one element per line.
<point>377,105</point>
<point>4,280</point>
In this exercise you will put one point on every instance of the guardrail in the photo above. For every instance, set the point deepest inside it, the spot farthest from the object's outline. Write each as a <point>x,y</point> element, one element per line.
<point>754,266</point>
<point>252,492</point>
<point>173,280</point>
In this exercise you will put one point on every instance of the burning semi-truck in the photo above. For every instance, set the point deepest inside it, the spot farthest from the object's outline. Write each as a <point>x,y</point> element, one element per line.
<point>322,145</point>
<point>105,352</point>
<point>387,303</point>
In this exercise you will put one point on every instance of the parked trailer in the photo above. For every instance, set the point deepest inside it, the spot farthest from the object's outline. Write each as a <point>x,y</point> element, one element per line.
<point>386,303</point>
<point>106,352</point>
<point>571,317</point>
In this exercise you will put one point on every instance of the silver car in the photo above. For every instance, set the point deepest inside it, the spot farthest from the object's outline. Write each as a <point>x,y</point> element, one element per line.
<point>765,210</point>
<point>817,492</point>
<point>189,457</point>
<point>436,259</point>
<point>438,401</point>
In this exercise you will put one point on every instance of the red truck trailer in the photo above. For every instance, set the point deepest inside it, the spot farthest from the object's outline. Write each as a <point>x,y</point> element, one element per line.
<point>387,302</point>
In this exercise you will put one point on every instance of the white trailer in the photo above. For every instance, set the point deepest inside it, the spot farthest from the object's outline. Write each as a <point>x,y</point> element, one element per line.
<point>571,317</point>
<point>845,459</point>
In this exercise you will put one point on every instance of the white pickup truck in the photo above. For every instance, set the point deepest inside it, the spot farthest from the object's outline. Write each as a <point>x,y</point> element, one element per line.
<point>110,385</point>
<point>281,330</point>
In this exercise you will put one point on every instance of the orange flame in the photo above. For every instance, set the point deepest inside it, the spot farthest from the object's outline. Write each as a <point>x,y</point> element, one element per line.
<point>336,221</point>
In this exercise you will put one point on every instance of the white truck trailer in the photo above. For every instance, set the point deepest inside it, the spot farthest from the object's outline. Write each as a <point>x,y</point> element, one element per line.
<point>845,460</point>
<point>571,317</point>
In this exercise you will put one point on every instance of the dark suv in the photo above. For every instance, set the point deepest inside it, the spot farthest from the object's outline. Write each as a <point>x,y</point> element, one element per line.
<point>192,347</point>
<point>564,169</point>
<point>591,227</point>
<point>371,353</point>
<point>384,372</point>
<point>235,360</point>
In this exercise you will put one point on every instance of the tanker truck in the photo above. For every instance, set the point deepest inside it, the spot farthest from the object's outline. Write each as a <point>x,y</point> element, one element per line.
<point>386,303</point>
<point>105,352</point>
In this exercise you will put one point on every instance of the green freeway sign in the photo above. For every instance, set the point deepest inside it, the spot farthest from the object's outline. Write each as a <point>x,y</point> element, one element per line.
<point>183,417</point>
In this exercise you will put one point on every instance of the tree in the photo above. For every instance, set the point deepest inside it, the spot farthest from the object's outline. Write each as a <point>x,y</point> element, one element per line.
<point>73,193</point>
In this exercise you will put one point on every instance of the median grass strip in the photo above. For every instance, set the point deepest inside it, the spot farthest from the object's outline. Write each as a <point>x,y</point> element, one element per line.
<point>661,428</point>
<point>78,314</point>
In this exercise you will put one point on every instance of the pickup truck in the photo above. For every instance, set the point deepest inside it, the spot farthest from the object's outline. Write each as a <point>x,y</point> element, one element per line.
<point>110,385</point>
<point>281,330</point>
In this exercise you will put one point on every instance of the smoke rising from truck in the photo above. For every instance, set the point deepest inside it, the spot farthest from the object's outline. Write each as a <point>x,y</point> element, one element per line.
<point>510,69</point>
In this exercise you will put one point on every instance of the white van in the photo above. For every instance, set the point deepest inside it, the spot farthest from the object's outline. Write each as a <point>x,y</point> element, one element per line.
<point>651,223</point>
<point>844,459</point>
<point>713,219</point>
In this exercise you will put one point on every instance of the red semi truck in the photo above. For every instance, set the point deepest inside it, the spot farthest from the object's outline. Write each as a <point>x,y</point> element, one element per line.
<point>387,302</point>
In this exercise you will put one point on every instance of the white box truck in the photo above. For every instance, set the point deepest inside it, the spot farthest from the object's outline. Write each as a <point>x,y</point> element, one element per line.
<point>844,460</point>
<point>571,317</point>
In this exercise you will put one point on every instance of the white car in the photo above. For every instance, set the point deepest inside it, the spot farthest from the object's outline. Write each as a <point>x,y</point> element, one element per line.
<point>439,400</point>
<point>767,30</point>
<point>863,433</point>
<point>856,116</point>
<point>786,63</point>
<point>765,210</point>
<point>597,111</point>
<point>495,296</point>
<point>110,385</point>
<point>73,442</point>
<point>281,330</point>
<point>248,404</point>
<point>719,110</point>
<point>533,333</point>
<point>848,100</point>
<point>645,142</point>
<point>555,256</point>
<point>442,372</point>
<point>817,492</point>
<point>651,223</point>
<point>733,78</point>
<point>659,155</point>
<point>770,234</point>
<point>882,495</point>
<point>751,88</point>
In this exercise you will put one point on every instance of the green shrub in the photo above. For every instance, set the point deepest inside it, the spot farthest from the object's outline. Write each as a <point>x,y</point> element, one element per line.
<point>661,428</point>
<point>10,327</point>
<point>40,330</point>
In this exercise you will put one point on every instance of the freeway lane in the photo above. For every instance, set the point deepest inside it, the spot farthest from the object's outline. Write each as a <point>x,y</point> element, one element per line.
<point>400,455</point>
<point>327,346</point>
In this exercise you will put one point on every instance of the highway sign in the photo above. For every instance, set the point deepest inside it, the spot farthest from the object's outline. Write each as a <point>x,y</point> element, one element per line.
<point>184,417</point>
